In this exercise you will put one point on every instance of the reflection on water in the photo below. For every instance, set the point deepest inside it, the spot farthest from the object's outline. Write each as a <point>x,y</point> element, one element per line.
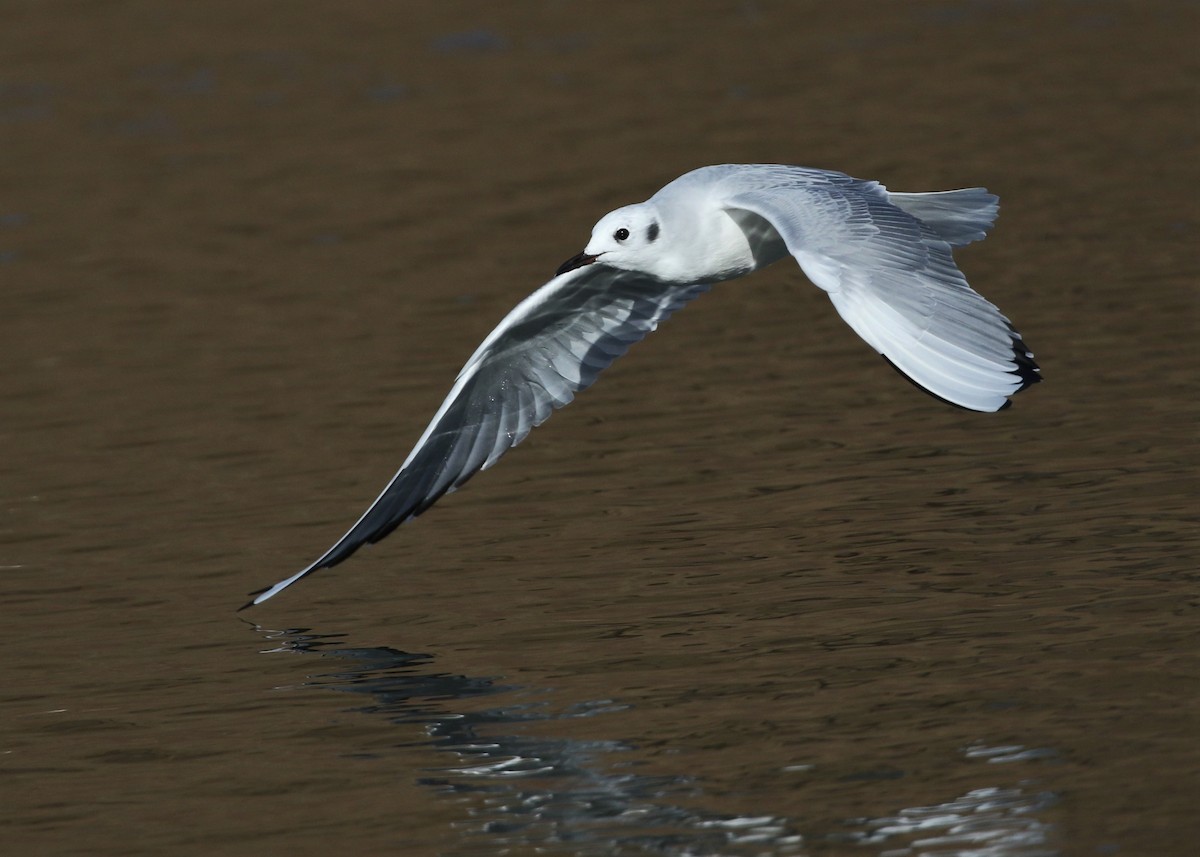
<point>528,790</point>
<point>987,822</point>
<point>580,796</point>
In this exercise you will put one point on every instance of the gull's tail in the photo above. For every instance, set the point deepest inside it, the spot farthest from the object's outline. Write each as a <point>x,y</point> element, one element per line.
<point>957,216</point>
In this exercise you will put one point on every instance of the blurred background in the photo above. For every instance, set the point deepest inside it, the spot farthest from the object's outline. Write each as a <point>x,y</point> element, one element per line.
<point>751,594</point>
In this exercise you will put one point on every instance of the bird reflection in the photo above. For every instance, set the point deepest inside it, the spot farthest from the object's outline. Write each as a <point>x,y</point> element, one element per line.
<point>532,790</point>
<point>527,791</point>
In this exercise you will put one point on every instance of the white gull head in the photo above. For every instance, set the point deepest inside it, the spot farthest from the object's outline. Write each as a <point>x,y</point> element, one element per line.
<point>630,239</point>
<point>672,240</point>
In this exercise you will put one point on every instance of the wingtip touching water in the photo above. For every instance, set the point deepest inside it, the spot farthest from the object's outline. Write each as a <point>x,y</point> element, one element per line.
<point>884,258</point>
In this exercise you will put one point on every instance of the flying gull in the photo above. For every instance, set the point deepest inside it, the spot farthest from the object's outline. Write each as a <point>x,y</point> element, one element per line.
<point>884,258</point>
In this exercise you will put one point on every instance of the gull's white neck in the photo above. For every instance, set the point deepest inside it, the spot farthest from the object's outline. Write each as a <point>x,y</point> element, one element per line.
<point>709,243</point>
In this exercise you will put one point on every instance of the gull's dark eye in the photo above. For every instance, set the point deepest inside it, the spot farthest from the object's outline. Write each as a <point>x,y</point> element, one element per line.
<point>621,234</point>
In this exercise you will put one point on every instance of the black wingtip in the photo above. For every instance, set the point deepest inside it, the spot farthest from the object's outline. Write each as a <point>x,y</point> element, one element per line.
<point>1027,369</point>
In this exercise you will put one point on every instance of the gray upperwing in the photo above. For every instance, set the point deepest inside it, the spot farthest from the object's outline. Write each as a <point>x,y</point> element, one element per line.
<point>892,278</point>
<point>554,344</point>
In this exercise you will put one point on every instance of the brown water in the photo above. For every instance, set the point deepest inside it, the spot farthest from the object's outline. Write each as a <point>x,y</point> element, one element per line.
<point>750,595</point>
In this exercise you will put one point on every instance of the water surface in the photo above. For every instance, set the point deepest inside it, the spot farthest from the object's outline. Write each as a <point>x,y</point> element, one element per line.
<point>751,594</point>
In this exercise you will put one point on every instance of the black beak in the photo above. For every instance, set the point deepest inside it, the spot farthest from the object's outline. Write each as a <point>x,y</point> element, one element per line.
<point>575,262</point>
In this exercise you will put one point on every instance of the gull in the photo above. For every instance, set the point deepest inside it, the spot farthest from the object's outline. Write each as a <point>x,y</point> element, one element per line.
<point>884,259</point>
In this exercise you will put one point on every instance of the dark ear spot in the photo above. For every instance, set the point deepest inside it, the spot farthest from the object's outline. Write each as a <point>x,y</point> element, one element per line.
<point>652,230</point>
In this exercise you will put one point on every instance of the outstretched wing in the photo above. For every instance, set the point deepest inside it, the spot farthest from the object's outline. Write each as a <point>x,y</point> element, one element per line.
<point>554,344</point>
<point>885,261</point>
